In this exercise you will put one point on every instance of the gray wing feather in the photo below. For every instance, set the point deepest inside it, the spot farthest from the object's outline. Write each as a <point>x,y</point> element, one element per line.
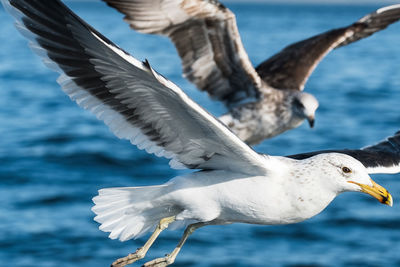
<point>291,67</point>
<point>206,37</point>
<point>137,103</point>
<point>373,22</point>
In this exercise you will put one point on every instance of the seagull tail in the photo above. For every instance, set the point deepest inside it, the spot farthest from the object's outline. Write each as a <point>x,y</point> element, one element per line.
<point>129,212</point>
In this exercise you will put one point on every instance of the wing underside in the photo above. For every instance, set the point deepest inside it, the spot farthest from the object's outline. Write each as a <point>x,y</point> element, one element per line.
<point>131,98</point>
<point>207,39</point>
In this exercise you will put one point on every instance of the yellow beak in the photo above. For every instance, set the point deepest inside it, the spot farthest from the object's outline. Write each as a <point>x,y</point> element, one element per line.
<point>377,191</point>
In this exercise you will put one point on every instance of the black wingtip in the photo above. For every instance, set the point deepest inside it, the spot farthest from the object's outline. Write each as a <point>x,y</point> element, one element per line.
<point>146,63</point>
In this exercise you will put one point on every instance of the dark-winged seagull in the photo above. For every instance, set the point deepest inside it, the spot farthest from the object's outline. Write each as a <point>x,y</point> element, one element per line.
<point>235,183</point>
<point>262,102</point>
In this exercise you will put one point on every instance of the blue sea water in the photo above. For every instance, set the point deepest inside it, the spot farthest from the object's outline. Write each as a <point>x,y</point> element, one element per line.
<point>55,156</point>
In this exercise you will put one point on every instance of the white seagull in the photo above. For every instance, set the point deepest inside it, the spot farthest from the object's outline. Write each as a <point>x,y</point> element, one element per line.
<point>262,102</point>
<point>233,184</point>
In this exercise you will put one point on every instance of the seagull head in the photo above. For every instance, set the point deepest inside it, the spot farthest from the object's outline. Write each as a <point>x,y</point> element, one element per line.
<point>304,106</point>
<point>347,174</point>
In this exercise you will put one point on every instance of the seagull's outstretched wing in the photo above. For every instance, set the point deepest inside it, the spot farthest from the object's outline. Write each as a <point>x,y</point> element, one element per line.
<point>291,67</point>
<point>137,103</point>
<point>207,39</point>
<point>383,157</point>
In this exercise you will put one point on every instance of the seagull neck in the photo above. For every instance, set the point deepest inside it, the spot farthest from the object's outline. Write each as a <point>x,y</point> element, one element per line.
<point>312,192</point>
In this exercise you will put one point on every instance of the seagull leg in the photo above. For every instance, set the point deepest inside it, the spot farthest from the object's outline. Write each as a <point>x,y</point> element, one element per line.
<point>170,258</point>
<point>141,252</point>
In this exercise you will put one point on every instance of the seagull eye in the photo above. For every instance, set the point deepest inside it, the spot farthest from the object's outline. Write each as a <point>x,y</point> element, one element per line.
<point>346,170</point>
<point>298,103</point>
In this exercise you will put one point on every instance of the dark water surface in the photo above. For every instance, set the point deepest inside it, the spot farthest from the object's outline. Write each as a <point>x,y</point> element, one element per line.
<point>55,156</point>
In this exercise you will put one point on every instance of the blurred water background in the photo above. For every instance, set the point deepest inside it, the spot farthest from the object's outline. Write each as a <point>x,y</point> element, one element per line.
<point>55,156</point>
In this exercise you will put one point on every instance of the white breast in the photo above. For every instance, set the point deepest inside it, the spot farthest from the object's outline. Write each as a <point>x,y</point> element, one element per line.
<point>227,197</point>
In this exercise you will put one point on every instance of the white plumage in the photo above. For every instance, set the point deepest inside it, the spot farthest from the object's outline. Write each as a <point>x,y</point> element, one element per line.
<point>235,183</point>
<point>290,191</point>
